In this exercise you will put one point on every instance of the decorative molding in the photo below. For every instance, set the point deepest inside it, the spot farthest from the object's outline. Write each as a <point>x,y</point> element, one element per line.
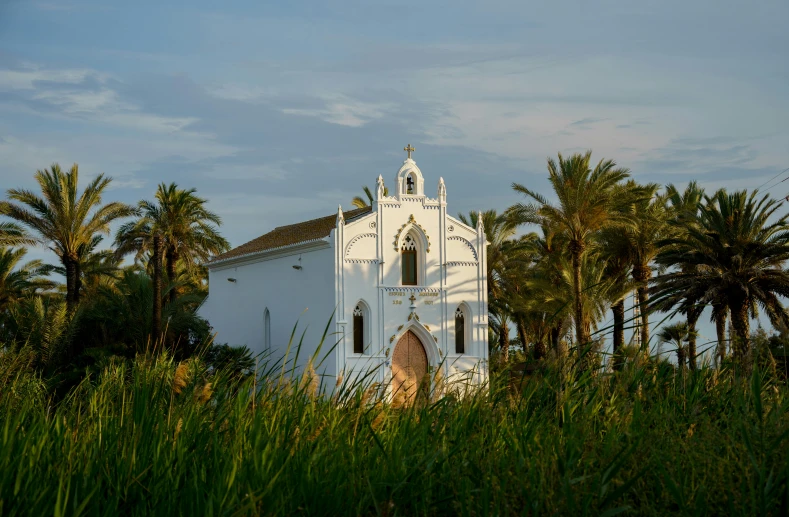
<point>360,261</point>
<point>412,289</point>
<point>466,242</point>
<point>412,221</point>
<point>462,263</point>
<point>358,237</point>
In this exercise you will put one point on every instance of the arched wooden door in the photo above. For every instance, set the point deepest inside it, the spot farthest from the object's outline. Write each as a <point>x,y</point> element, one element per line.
<point>409,370</point>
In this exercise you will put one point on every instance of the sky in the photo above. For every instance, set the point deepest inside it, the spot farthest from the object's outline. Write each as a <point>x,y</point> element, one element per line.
<point>277,112</point>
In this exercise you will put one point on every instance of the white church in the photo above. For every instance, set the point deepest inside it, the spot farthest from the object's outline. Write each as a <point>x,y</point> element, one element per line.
<point>402,284</point>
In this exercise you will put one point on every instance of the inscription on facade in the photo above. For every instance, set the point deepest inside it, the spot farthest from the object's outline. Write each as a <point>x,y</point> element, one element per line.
<point>395,293</point>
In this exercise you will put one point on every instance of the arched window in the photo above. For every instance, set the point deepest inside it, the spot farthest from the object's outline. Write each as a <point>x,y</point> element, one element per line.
<point>266,330</point>
<point>460,332</point>
<point>408,252</point>
<point>409,184</point>
<point>358,330</point>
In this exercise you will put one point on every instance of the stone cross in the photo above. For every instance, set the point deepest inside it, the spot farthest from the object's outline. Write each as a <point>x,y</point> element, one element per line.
<point>409,150</point>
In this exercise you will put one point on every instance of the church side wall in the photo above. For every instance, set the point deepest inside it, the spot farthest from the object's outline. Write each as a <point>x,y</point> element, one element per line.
<point>236,310</point>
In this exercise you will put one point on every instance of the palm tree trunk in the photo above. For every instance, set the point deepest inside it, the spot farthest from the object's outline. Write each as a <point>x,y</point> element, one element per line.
<point>172,258</point>
<point>618,309</point>
<point>680,356</point>
<point>71,282</point>
<point>641,274</point>
<point>580,334</point>
<point>77,282</point>
<point>521,326</point>
<point>157,286</point>
<point>693,317</point>
<point>504,341</point>
<point>556,342</point>
<point>720,330</point>
<point>742,331</point>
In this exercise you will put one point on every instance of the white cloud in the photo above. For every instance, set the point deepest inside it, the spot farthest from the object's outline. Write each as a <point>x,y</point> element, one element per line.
<point>65,90</point>
<point>345,111</point>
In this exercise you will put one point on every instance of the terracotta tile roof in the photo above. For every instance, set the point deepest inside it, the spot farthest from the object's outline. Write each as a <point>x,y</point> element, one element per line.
<point>291,234</point>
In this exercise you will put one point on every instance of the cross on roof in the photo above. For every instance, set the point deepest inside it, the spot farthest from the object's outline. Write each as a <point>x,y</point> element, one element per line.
<point>409,150</point>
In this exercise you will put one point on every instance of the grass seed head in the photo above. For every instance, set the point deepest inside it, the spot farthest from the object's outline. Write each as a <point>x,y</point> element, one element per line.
<point>181,378</point>
<point>205,393</point>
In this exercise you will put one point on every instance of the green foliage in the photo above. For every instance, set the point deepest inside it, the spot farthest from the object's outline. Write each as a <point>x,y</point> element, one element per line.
<point>157,437</point>
<point>237,361</point>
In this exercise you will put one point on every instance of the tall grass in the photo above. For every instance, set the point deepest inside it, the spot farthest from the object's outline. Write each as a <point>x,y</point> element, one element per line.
<point>156,437</point>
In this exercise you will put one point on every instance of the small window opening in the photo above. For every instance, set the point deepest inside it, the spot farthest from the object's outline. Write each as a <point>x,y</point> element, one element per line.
<point>409,185</point>
<point>358,330</point>
<point>460,332</point>
<point>409,261</point>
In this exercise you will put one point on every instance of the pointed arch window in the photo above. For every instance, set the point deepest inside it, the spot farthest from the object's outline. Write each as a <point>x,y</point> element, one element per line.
<point>460,331</point>
<point>358,330</point>
<point>408,252</point>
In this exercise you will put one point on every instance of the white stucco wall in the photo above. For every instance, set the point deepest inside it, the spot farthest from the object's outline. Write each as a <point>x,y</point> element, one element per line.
<point>236,309</point>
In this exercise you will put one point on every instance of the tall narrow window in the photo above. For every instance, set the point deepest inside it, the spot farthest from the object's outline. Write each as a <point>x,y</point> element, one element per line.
<point>266,331</point>
<point>358,330</point>
<point>409,261</point>
<point>460,332</point>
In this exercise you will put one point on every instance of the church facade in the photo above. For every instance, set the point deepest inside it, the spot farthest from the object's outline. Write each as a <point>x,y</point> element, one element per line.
<point>401,285</point>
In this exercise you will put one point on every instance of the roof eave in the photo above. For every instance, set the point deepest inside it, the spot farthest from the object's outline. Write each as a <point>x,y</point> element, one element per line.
<point>270,253</point>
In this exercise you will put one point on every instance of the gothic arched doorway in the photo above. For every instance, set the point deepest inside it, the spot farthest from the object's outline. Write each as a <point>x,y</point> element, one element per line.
<point>409,370</point>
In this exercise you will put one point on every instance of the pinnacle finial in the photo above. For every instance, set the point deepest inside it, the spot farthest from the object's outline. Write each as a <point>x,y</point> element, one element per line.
<point>379,190</point>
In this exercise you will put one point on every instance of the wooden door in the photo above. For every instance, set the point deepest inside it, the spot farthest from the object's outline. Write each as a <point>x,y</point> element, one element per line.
<point>409,370</point>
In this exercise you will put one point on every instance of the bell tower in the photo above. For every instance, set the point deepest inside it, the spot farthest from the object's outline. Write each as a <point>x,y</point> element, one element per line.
<point>409,179</point>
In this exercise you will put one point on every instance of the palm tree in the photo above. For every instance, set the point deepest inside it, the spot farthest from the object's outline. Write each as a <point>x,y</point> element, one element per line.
<point>677,334</point>
<point>360,202</point>
<point>734,258</point>
<point>615,250</point>
<point>64,219</point>
<point>188,230</point>
<point>503,256</point>
<point>638,244</point>
<point>684,212</point>
<point>177,228</point>
<point>589,200</point>
<point>532,292</point>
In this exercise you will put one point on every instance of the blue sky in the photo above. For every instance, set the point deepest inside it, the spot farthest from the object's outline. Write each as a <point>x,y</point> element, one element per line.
<point>277,112</point>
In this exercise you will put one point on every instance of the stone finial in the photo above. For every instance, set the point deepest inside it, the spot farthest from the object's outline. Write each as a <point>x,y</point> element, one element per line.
<point>379,191</point>
<point>480,223</point>
<point>340,217</point>
<point>442,189</point>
